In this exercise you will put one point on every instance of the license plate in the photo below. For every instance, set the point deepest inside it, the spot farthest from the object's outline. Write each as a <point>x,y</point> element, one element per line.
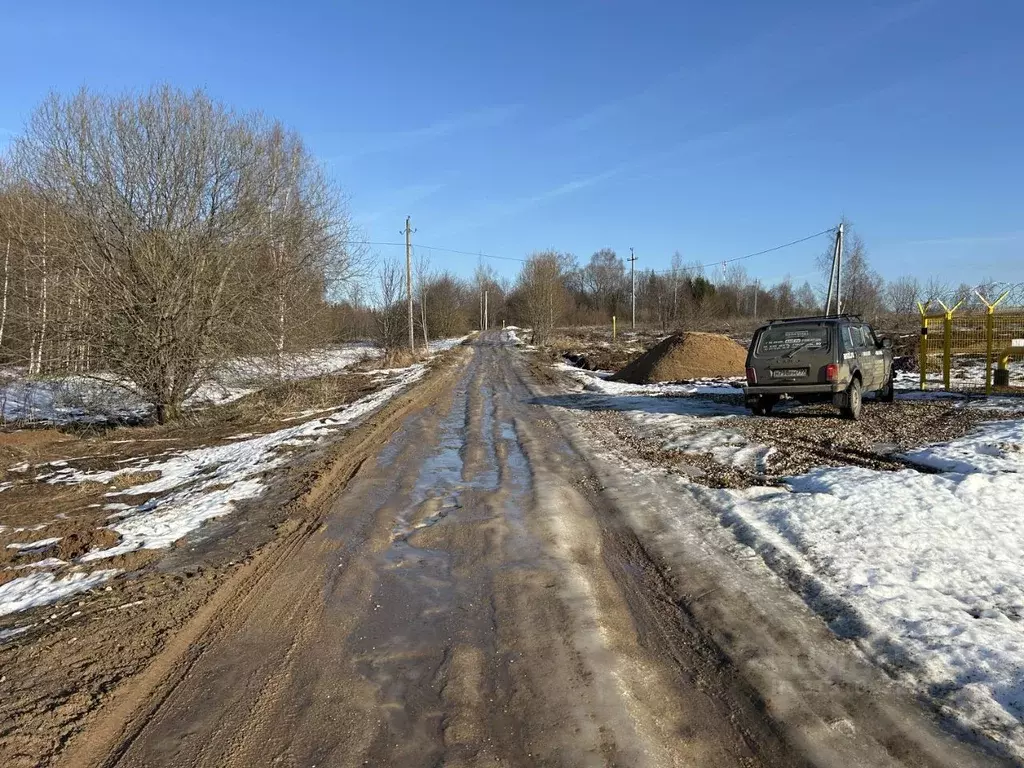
<point>788,373</point>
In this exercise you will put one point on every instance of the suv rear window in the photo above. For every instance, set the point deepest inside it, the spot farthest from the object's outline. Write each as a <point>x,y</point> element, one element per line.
<point>782,339</point>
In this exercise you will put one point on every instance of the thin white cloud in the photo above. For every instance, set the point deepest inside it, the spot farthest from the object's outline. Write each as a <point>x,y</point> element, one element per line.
<point>399,201</point>
<point>497,211</point>
<point>396,141</point>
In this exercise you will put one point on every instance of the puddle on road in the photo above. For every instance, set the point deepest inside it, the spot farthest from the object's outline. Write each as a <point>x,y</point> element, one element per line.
<point>486,477</point>
<point>475,469</point>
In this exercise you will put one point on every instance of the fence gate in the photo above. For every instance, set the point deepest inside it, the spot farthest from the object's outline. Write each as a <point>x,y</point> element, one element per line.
<point>974,350</point>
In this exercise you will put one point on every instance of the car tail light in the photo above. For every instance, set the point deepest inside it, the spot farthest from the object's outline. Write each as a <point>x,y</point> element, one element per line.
<point>751,376</point>
<point>831,372</point>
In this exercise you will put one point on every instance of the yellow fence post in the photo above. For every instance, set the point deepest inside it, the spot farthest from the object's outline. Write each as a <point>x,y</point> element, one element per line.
<point>947,348</point>
<point>990,332</point>
<point>947,342</point>
<point>613,327</point>
<point>922,354</point>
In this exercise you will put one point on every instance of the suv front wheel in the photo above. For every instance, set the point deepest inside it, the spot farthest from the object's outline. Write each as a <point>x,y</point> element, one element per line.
<point>854,401</point>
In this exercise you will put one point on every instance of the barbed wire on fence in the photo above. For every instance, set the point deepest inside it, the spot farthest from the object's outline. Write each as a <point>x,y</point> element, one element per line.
<point>1009,296</point>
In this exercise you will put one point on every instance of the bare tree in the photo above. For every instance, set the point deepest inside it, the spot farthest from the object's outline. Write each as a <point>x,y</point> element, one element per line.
<point>422,283</point>
<point>605,278</point>
<point>389,309</point>
<point>542,292</point>
<point>935,289</point>
<point>453,305</point>
<point>902,295</point>
<point>182,228</point>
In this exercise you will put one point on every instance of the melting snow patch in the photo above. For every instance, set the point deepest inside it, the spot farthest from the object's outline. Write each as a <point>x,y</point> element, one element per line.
<point>443,345</point>
<point>677,412</point>
<point>197,485</point>
<point>597,381</point>
<point>33,545</point>
<point>9,634</point>
<point>43,588</point>
<point>47,562</point>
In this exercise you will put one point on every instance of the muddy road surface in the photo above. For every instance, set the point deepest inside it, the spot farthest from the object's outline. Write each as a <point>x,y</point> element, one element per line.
<point>468,600</point>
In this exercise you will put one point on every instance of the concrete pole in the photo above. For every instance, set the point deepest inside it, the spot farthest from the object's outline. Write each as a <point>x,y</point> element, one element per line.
<point>408,282</point>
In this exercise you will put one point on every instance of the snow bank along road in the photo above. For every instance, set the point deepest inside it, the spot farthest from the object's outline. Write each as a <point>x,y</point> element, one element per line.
<point>473,597</point>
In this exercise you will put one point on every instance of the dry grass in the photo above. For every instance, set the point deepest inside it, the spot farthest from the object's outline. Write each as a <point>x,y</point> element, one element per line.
<point>131,479</point>
<point>30,445</point>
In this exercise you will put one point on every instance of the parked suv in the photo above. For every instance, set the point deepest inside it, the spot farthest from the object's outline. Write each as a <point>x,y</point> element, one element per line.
<point>818,359</point>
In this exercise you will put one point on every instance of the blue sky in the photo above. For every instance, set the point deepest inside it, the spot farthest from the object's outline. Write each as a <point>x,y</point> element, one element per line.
<point>715,129</point>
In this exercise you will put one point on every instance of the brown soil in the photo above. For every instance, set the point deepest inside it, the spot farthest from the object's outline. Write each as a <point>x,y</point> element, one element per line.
<point>77,653</point>
<point>686,356</point>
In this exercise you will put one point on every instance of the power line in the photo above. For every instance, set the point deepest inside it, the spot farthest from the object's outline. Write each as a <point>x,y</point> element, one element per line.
<point>750,255</point>
<point>657,272</point>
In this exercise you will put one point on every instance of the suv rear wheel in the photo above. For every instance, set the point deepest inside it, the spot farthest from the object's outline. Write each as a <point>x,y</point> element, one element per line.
<point>854,401</point>
<point>764,405</point>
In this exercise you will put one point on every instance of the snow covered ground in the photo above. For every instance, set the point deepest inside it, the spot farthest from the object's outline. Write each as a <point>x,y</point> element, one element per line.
<point>65,399</point>
<point>193,486</point>
<point>925,572</point>
<point>43,588</point>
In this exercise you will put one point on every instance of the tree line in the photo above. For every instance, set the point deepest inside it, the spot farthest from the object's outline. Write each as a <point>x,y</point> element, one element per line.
<point>554,289</point>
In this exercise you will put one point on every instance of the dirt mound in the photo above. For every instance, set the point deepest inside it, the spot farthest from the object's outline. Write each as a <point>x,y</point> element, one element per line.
<point>686,356</point>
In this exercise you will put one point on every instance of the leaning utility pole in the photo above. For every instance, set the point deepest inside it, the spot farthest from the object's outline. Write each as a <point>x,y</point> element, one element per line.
<point>408,281</point>
<point>632,292</point>
<point>835,277</point>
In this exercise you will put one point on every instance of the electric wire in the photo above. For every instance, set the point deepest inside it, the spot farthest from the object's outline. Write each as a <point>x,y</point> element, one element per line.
<point>688,267</point>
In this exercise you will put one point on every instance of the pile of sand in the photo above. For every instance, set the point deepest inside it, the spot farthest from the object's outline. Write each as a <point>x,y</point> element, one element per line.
<point>686,356</point>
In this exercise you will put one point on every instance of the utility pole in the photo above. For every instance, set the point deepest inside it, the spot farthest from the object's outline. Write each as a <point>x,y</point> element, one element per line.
<point>487,323</point>
<point>757,285</point>
<point>480,280</point>
<point>839,270</point>
<point>835,278</point>
<point>408,281</point>
<point>632,292</point>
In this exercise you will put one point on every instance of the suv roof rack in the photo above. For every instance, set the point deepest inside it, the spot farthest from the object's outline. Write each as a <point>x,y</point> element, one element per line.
<point>841,316</point>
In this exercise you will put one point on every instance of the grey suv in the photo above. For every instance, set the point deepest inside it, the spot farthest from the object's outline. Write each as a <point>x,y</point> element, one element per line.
<point>818,359</point>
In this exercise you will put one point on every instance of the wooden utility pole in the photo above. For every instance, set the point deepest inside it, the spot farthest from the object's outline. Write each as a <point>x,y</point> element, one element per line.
<point>632,292</point>
<point>487,323</point>
<point>408,281</point>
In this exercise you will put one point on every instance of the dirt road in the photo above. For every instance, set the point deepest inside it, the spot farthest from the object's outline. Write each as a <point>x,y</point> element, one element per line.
<point>470,599</point>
